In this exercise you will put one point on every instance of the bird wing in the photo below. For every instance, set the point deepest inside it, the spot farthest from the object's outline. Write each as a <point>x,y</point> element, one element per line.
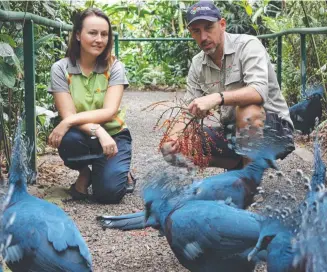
<point>13,253</point>
<point>32,248</point>
<point>63,233</point>
<point>39,220</point>
<point>61,230</point>
<point>15,246</point>
<point>200,226</point>
<point>221,187</point>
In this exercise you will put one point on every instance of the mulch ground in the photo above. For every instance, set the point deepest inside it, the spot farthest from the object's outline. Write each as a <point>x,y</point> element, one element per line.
<point>144,250</point>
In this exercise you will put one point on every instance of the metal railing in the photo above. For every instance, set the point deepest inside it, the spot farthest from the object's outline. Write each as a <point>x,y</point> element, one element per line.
<point>302,32</point>
<point>29,20</point>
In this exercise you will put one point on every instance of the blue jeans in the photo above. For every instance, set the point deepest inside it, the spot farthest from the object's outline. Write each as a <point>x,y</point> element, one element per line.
<point>282,127</point>
<point>109,176</point>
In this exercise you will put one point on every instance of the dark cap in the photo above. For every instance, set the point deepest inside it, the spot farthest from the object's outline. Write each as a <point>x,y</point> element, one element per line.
<point>204,10</point>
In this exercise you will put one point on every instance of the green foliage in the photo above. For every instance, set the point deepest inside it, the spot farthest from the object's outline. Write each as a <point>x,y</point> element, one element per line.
<point>154,64</point>
<point>7,74</point>
<point>276,17</point>
<point>163,63</point>
<point>12,63</point>
<point>149,64</point>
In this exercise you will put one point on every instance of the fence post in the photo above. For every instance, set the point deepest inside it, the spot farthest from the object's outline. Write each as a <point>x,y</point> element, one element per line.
<point>279,60</point>
<point>303,64</point>
<point>29,72</point>
<point>116,45</point>
<point>57,44</point>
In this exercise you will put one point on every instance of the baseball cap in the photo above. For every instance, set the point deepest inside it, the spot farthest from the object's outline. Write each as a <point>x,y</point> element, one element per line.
<point>205,10</point>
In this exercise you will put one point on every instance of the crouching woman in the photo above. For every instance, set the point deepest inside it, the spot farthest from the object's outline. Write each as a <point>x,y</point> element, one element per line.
<point>87,87</point>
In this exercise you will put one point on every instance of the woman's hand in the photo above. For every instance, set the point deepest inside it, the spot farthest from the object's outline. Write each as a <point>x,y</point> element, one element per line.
<point>108,144</point>
<point>58,133</point>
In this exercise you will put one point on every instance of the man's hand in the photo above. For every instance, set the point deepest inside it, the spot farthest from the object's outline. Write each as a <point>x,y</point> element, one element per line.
<point>169,148</point>
<point>201,105</point>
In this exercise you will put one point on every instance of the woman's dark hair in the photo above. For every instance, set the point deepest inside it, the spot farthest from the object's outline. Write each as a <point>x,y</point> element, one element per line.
<point>74,47</point>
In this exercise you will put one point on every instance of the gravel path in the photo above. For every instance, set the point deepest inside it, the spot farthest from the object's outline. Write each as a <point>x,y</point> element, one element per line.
<point>141,250</point>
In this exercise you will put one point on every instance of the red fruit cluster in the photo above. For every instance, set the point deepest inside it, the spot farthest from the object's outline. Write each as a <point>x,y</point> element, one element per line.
<point>194,142</point>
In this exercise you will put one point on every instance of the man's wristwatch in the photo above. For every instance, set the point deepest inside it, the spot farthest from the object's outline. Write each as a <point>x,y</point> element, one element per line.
<point>93,129</point>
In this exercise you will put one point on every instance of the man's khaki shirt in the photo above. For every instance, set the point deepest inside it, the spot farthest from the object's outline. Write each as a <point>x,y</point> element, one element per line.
<point>245,63</point>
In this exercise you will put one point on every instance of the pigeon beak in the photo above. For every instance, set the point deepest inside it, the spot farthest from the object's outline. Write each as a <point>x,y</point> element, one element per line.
<point>253,253</point>
<point>272,164</point>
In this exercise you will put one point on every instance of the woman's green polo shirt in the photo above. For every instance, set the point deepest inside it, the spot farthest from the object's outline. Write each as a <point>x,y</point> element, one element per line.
<point>88,92</point>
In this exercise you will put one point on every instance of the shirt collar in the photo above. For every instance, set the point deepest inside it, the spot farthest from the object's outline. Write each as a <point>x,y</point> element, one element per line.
<point>76,70</point>
<point>228,45</point>
<point>100,69</point>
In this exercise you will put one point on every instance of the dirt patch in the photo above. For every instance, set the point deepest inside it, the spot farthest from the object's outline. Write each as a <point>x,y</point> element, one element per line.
<point>142,250</point>
<point>307,141</point>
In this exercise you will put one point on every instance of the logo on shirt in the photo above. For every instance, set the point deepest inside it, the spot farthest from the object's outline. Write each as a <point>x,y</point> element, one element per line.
<point>196,9</point>
<point>98,90</point>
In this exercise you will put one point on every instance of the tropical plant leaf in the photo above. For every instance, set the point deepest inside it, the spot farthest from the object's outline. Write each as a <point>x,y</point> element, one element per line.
<point>5,4</point>
<point>89,3</point>
<point>7,74</point>
<point>7,39</point>
<point>249,10</point>
<point>19,52</point>
<point>13,60</point>
<point>49,9</point>
<point>6,50</point>
<point>9,56</point>
<point>257,14</point>
<point>43,40</point>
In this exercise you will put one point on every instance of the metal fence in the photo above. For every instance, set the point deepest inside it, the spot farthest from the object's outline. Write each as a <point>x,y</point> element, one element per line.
<point>29,57</point>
